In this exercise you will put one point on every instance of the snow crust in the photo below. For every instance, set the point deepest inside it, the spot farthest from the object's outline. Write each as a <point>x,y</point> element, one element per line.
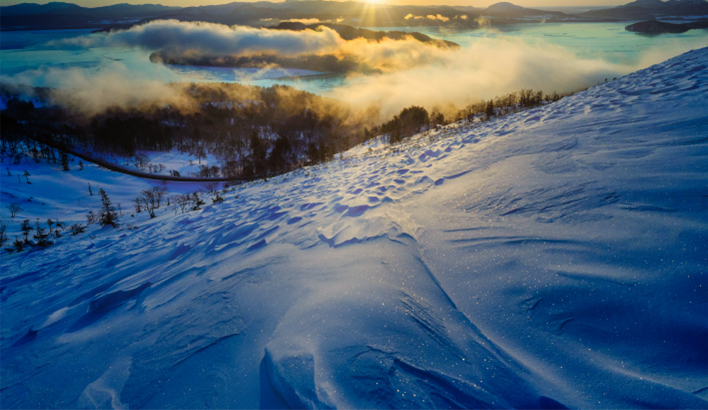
<point>556,257</point>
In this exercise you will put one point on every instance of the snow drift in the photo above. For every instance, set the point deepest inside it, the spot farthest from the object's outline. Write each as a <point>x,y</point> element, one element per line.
<point>554,258</point>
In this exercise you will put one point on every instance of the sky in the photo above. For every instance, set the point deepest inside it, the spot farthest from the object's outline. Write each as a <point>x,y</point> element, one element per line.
<point>475,3</point>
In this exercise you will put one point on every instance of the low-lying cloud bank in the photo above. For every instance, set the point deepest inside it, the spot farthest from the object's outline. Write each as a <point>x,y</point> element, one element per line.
<point>94,92</point>
<point>212,39</point>
<point>409,72</point>
<point>181,42</point>
<point>434,17</point>
<point>488,68</point>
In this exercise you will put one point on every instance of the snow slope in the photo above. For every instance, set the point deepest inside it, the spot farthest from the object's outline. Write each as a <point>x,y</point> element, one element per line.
<point>53,193</point>
<point>552,258</point>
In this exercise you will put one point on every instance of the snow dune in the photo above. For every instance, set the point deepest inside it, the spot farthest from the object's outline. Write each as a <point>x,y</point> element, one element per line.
<point>554,258</point>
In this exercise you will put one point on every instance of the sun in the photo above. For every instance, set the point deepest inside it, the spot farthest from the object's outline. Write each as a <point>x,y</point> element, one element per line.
<point>374,11</point>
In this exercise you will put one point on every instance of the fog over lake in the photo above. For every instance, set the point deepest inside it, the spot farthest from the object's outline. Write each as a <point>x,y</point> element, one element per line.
<point>26,56</point>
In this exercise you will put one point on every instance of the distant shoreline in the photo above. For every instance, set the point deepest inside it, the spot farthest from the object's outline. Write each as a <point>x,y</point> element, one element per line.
<point>105,29</point>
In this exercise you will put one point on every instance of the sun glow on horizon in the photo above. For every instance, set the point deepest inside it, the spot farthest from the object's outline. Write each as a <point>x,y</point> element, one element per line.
<point>474,3</point>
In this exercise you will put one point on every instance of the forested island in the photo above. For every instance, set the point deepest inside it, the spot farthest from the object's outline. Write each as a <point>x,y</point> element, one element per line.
<point>328,63</point>
<point>661,27</point>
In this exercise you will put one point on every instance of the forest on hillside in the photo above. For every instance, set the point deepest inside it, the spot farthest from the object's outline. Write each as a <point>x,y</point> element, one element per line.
<point>252,131</point>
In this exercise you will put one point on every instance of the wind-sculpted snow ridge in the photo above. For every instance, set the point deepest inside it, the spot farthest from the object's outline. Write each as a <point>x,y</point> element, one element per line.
<point>549,259</point>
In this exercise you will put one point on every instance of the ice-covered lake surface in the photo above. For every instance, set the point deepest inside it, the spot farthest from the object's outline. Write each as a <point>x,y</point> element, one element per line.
<point>556,257</point>
<point>22,53</point>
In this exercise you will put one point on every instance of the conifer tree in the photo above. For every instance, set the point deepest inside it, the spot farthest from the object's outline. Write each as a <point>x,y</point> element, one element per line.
<point>41,235</point>
<point>26,229</point>
<point>18,244</point>
<point>108,214</point>
<point>489,111</point>
<point>65,161</point>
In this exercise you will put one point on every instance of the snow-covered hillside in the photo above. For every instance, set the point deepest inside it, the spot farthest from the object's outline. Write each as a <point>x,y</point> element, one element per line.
<point>557,257</point>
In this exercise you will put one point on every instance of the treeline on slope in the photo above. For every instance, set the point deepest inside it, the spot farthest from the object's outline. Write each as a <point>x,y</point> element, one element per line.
<point>262,132</point>
<point>251,130</point>
<point>414,119</point>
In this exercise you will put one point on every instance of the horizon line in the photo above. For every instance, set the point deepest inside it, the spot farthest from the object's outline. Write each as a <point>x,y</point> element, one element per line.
<point>420,3</point>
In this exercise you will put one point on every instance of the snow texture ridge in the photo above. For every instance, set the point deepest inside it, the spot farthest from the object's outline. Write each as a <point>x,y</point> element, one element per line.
<point>553,258</point>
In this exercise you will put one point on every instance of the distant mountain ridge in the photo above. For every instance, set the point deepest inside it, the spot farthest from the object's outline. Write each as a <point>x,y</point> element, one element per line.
<point>56,15</point>
<point>510,10</point>
<point>651,9</point>
<point>24,9</point>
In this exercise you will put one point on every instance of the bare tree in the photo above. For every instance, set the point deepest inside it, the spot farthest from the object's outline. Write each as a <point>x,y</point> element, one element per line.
<point>60,225</point>
<point>138,205</point>
<point>183,201</point>
<point>91,218</point>
<point>197,200</point>
<point>213,189</point>
<point>14,209</point>
<point>199,152</point>
<point>148,199</point>
<point>160,192</point>
<point>141,160</point>
<point>76,229</point>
